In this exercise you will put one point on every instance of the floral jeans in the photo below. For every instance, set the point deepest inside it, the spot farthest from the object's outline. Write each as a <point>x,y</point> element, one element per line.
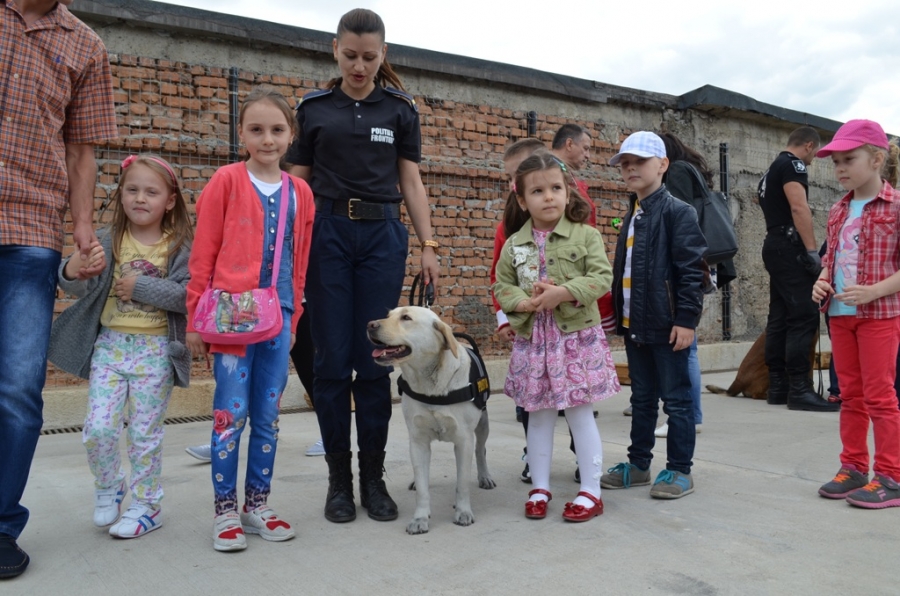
<point>248,387</point>
<point>131,379</point>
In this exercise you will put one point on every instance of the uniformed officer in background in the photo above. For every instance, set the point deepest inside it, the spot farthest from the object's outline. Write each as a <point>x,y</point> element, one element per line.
<point>791,257</point>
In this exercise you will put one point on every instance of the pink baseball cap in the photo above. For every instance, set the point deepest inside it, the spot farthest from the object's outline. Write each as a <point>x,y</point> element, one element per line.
<point>853,134</point>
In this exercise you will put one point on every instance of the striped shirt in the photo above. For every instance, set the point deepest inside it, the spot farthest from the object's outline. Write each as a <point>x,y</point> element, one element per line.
<point>626,273</point>
<point>55,89</point>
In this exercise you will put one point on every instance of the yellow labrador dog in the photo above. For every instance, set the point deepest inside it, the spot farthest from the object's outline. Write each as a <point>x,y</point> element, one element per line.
<point>434,364</point>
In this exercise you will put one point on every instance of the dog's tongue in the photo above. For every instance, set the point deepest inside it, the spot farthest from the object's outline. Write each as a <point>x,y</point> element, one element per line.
<point>378,352</point>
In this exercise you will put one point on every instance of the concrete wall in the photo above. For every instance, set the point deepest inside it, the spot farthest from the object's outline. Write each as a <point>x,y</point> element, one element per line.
<point>470,109</point>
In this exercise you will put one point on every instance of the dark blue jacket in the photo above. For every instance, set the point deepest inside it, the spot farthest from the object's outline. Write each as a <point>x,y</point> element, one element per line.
<point>666,270</point>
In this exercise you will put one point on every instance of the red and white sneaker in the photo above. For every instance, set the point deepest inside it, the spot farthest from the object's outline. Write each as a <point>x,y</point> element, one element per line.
<point>228,533</point>
<point>265,522</point>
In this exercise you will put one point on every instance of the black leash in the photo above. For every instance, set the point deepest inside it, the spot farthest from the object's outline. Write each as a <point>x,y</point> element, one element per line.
<point>425,295</point>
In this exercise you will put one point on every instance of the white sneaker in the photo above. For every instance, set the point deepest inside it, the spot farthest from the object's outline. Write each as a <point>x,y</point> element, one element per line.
<point>264,521</point>
<point>137,520</point>
<point>627,411</point>
<point>699,428</point>
<point>662,431</point>
<point>108,504</point>
<point>316,448</point>
<point>228,533</point>
<point>201,452</point>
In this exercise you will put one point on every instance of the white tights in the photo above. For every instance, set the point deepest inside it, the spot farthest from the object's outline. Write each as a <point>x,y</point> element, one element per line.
<point>588,449</point>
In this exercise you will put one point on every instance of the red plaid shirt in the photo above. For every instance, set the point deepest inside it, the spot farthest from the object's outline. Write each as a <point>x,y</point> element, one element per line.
<point>879,247</point>
<point>55,89</point>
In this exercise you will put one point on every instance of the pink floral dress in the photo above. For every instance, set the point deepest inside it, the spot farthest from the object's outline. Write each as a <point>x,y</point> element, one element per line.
<point>559,370</point>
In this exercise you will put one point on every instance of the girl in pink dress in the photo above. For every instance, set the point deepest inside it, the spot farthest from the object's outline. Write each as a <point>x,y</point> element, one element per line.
<point>551,272</point>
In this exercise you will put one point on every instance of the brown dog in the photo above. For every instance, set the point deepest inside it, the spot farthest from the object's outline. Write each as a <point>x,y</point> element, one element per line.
<point>752,378</point>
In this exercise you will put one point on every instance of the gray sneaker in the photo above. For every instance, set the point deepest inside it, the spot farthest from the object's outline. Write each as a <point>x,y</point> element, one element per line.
<point>201,452</point>
<point>670,484</point>
<point>625,475</point>
<point>847,480</point>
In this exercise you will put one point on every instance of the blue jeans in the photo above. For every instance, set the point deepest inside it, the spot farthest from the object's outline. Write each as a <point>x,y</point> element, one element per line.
<point>355,275</point>
<point>658,372</point>
<point>248,386</point>
<point>28,278</point>
<point>694,374</point>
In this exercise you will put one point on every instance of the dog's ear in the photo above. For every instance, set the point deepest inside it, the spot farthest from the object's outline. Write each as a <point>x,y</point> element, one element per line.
<point>450,342</point>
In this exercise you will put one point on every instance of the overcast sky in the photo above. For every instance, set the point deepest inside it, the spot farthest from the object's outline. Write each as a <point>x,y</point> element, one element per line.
<point>840,61</point>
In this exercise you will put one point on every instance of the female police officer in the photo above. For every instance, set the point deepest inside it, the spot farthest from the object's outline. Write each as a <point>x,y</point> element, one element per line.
<point>359,139</point>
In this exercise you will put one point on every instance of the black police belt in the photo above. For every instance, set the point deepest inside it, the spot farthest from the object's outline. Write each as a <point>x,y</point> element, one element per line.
<point>358,209</point>
<point>477,391</point>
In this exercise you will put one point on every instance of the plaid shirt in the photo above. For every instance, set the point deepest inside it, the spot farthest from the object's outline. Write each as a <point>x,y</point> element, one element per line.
<point>55,89</point>
<point>879,247</point>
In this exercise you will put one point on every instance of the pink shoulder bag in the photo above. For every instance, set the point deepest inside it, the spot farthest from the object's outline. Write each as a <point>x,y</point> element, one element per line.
<point>248,317</point>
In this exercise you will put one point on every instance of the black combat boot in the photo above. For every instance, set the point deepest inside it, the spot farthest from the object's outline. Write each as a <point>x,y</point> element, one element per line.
<point>778,388</point>
<point>373,493</point>
<point>802,396</point>
<point>339,506</point>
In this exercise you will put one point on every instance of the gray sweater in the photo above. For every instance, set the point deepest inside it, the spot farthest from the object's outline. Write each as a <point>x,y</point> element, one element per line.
<point>76,329</point>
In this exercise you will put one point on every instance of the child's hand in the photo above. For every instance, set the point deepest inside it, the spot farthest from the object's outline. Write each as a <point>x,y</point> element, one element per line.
<point>95,262</point>
<point>195,344</point>
<point>681,338</point>
<point>293,340</point>
<point>506,334</point>
<point>821,290</point>
<point>124,288</point>
<point>83,267</point>
<point>524,306</point>
<point>548,296</point>
<point>856,295</point>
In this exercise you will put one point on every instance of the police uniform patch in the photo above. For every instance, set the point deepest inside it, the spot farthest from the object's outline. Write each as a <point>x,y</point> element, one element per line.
<point>799,166</point>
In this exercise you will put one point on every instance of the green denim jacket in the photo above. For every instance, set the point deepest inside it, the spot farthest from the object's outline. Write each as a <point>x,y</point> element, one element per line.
<point>576,259</point>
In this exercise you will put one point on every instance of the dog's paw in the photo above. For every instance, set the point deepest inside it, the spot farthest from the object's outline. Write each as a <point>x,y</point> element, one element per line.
<point>418,525</point>
<point>486,482</point>
<point>463,518</point>
<point>412,485</point>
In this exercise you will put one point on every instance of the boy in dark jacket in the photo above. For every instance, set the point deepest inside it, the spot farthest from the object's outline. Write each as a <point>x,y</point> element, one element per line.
<point>657,291</point>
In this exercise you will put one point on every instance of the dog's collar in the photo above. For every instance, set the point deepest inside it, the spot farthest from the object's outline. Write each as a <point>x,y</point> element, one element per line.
<point>477,391</point>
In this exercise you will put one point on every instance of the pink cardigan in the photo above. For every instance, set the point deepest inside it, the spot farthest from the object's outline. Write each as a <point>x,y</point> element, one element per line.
<point>228,243</point>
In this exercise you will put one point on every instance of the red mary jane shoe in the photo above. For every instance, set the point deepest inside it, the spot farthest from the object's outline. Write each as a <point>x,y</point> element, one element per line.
<point>537,509</point>
<point>580,513</point>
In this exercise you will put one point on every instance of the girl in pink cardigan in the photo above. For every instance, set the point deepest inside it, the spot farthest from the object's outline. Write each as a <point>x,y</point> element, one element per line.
<point>234,248</point>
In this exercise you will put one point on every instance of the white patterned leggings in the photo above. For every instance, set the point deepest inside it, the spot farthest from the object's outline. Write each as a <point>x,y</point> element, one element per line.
<point>588,448</point>
<point>133,372</point>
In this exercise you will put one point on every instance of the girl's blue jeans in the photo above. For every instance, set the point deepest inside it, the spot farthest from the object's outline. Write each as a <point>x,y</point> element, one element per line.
<point>248,391</point>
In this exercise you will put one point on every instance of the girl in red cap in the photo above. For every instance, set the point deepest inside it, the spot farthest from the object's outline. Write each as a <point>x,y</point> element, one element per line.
<point>858,287</point>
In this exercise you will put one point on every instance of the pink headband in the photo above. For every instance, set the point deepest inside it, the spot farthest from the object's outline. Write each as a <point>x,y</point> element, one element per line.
<point>132,158</point>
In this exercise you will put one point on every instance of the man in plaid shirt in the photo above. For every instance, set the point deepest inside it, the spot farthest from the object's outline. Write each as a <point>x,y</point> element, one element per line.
<point>55,105</point>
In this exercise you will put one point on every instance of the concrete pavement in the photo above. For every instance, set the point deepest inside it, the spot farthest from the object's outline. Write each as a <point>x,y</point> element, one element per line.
<point>755,524</point>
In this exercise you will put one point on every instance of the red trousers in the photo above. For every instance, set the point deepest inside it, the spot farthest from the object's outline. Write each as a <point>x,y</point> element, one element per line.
<point>865,358</point>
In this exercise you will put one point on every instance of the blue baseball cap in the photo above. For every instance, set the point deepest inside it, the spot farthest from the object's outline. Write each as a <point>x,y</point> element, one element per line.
<point>642,144</point>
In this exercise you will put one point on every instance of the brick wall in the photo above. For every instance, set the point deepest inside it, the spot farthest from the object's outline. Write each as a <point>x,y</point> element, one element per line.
<point>181,112</point>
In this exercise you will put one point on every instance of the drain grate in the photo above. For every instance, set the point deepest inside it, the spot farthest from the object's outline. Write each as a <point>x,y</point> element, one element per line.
<point>182,420</point>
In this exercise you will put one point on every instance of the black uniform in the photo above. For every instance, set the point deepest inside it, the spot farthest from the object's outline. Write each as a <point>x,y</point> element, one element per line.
<point>357,260</point>
<point>793,316</point>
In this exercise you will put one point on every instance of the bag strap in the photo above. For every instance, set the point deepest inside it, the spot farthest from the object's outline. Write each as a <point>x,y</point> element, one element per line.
<point>282,221</point>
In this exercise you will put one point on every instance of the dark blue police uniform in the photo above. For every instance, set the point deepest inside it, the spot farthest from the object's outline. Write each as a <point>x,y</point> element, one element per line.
<point>359,248</point>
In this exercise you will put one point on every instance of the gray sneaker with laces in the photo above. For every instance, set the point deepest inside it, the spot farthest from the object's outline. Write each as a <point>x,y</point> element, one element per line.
<point>625,475</point>
<point>670,484</point>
